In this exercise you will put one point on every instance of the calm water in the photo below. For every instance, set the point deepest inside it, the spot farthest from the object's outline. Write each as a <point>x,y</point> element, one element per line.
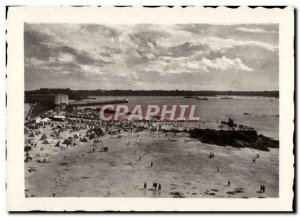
<point>263,112</point>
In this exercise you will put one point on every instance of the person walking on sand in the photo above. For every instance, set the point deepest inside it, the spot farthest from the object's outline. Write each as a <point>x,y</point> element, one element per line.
<point>151,164</point>
<point>145,185</point>
<point>159,186</point>
<point>228,183</point>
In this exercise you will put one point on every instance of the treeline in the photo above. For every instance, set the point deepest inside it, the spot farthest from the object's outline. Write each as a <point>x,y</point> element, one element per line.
<point>79,94</point>
<point>176,93</point>
<point>73,94</point>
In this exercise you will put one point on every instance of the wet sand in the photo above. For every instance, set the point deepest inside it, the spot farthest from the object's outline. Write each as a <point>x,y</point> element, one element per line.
<point>180,164</point>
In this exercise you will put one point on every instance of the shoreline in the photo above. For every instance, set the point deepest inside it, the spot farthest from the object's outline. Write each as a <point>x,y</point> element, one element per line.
<point>180,164</point>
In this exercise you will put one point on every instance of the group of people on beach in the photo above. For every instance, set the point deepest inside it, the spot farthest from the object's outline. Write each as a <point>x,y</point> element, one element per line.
<point>104,149</point>
<point>92,126</point>
<point>211,155</point>
<point>155,186</point>
<point>254,159</point>
<point>262,189</point>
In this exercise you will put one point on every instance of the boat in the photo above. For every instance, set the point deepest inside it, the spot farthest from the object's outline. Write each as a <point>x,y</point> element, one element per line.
<point>201,98</point>
<point>226,97</point>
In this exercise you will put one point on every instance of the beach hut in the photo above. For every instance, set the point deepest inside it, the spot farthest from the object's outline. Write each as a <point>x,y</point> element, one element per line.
<point>26,130</point>
<point>45,121</point>
<point>58,117</point>
<point>68,141</point>
<point>38,120</point>
<point>84,139</point>
<point>99,131</point>
<point>27,149</point>
<point>44,137</point>
<point>45,142</point>
<point>75,128</point>
<point>28,158</point>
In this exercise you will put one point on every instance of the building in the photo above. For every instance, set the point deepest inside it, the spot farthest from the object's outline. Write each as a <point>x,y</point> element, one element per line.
<point>50,100</point>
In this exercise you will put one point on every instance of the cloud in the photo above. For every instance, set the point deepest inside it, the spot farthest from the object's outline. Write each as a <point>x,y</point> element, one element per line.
<point>37,44</point>
<point>167,65</point>
<point>254,30</point>
<point>234,32</point>
<point>225,64</point>
<point>65,72</point>
<point>96,28</point>
<point>65,57</point>
<point>184,49</point>
<point>218,44</point>
<point>87,56</point>
<point>80,56</point>
<point>93,70</point>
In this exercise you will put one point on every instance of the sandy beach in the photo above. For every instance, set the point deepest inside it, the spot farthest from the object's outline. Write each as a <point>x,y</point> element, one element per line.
<point>126,110</point>
<point>180,164</point>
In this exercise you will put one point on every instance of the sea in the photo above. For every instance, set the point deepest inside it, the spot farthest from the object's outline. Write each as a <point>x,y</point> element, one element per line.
<point>262,113</point>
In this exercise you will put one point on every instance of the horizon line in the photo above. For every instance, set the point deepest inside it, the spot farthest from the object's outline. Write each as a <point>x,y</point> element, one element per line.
<point>152,90</point>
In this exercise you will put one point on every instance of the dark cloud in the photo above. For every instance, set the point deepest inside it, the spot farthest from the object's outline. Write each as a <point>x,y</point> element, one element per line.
<point>185,49</point>
<point>37,44</point>
<point>145,37</point>
<point>42,46</point>
<point>260,59</point>
<point>145,45</point>
<point>109,52</point>
<point>211,55</point>
<point>197,57</point>
<point>81,57</point>
<point>104,30</point>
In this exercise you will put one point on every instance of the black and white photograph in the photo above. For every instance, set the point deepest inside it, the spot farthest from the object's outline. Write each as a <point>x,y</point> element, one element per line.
<point>230,72</point>
<point>168,110</point>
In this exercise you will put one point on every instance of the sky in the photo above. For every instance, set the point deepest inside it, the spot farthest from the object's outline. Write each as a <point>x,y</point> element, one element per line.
<point>152,57</point>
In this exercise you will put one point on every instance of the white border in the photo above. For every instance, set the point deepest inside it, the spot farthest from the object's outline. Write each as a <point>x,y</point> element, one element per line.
<point>111,15</point>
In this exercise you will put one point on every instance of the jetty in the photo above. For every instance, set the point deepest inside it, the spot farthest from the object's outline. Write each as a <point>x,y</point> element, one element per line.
<point>95,103</point>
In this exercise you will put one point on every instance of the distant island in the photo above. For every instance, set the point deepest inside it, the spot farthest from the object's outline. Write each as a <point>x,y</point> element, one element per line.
<point>83,94</point>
